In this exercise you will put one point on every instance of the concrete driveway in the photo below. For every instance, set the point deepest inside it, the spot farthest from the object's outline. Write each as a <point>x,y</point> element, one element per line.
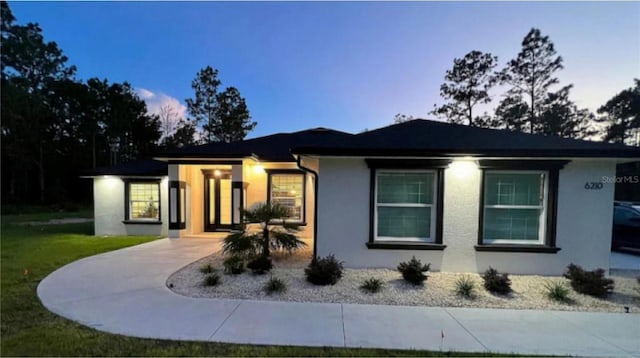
<point>125,292</point>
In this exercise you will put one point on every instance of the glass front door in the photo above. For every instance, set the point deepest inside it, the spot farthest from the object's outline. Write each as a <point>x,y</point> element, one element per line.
<point>217,198</point>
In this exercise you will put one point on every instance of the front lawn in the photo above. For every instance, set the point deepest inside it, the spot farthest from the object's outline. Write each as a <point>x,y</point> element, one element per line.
<point>30,253</point>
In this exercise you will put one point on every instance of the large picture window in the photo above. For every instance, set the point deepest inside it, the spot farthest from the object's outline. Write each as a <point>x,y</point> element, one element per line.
<point>515,207</point>
<point>287,189</point>
<point>404,206</point>
<point>143,201</point>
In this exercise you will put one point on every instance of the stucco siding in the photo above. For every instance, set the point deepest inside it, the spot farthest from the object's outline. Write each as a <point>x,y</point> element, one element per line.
<point>583,224</point>
<point>109,209</point>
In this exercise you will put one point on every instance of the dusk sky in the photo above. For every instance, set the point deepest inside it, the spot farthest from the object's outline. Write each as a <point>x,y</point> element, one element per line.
<point>347,66</point>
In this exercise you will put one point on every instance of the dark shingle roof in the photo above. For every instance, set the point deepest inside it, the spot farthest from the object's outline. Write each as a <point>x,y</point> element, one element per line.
<point>275,147</point>
<point>135,168</point>
<point>432,138</point>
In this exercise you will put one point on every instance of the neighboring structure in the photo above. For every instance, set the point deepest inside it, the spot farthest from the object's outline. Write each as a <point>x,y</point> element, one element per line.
<point>459,197</point>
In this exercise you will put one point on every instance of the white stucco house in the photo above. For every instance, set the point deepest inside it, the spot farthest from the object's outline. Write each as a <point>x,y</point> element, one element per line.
<point>459,197</point>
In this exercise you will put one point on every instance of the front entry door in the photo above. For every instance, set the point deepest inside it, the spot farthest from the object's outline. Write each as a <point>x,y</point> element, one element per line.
<point>217,199</point>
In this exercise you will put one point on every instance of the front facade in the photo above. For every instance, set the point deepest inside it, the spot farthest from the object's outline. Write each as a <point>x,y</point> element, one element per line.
<point>460,198</point>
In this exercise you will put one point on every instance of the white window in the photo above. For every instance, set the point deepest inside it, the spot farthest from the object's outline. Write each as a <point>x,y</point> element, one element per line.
<point>144,201</point>
<point>288,191</point>
<point>515,207</point>
<point>405,206</point>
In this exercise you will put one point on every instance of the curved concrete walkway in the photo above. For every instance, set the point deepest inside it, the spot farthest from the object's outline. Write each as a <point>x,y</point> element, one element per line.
<point>124,292</point>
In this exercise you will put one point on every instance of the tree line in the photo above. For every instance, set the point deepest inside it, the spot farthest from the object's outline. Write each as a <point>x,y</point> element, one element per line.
<point>531,103</point>
<point>55,126</point>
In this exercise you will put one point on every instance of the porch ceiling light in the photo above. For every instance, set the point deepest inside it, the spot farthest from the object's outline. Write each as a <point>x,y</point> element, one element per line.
<point>463,167</point>
<point>258,169</point>
<point>216,173</point>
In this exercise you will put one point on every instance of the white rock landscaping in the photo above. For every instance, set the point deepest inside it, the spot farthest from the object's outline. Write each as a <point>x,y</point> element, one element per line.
<point>438,291</point>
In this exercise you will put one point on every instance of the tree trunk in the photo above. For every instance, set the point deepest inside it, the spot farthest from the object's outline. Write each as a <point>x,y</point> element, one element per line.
<point>41,173</point>
<point>93,139</point>
<point>265,242</point>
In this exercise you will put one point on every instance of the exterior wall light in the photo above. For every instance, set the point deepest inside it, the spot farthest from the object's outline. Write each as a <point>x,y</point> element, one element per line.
<point>463,168</point>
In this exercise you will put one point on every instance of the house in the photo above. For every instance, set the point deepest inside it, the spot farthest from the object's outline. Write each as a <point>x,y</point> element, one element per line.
<point>459,197</point>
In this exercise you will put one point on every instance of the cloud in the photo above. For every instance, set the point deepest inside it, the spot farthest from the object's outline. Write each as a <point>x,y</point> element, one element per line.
<point>156,101</point>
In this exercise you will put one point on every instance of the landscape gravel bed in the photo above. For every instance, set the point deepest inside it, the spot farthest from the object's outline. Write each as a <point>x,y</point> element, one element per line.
<point>438,290</point>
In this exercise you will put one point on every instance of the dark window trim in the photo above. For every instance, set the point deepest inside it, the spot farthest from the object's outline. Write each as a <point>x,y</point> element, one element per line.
<point>404,246</point>
<point>127,213</point>
<point>553,168</point>
<point>206,162</point>
<point>425,164</point>
<point>517,248</point>
<point>302,173</point>
<point>522,164</point>
<point>136,222</point>
<point>181,222</point>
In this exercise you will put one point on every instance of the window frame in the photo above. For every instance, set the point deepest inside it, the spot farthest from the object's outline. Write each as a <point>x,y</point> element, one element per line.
<point>552,167</point>
<point>404,165</point>
<point>433,205</point>
<point>542,229</point>
<point>302,174</point>
<point>127,202</point>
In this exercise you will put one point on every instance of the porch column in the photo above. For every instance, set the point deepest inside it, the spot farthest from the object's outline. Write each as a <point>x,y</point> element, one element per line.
<point>177,202</point>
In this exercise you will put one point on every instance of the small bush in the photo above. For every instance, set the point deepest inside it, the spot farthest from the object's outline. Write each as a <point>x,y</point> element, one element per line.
<point>324,271</point>
<point>275,285</point>
<point>465,287</point>
<point>412,271</point>
<point>372,285</point>
<point>496,282</point>
<point>260,265</point>
<point>212,279</point>
<point>207,268</point>
<point>592,283</point>
<point>233,265</point>
<point>557,291</point>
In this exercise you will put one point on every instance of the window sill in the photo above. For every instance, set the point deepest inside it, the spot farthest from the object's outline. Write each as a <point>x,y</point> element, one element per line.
<point>518,248</point>
<point>141,222</point>
<point>404,246</point>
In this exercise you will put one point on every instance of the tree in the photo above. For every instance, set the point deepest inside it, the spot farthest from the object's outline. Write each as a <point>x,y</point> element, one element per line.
<point>561,117</point>
<point>168,121</point>
<point>621,116</point>
<point>224,116</point>
<point>511,114</point>
<point>530,75</point>
<point>202,107</point>
<point>233,120</point>
<point>466,85</point>
<point>184,135</point>
<point>275,233</point>
<point>29,66</point>
<point>400,118</point>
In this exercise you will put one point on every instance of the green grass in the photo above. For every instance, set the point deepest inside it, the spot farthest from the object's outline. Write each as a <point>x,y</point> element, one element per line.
<point>28,329</point>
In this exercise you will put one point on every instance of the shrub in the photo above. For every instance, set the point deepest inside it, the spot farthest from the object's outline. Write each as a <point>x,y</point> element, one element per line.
<point>275,285</point>
<point>260,265</point>
<point>557,291</point>
<point>465,287</point>
<point>233,265</point>
<point>412,271</point>
<point>207,268</point>
<point>372,285</point>
<point>324,271</point>
<point>212,279</point>
<point>592,283</point>
<point>496,282</point>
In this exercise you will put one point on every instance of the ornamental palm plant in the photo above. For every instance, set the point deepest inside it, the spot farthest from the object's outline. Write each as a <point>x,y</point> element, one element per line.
<point>275,232</point>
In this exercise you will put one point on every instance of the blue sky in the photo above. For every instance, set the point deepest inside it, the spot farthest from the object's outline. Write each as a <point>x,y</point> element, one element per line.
<point>347,66</point>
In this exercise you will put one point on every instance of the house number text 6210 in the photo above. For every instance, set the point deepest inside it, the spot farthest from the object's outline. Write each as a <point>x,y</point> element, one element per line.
<point>593,185</point>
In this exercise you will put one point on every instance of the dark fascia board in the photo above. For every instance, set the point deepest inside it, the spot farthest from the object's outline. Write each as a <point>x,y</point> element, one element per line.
<point>407,163</point>
<point>529,153</point>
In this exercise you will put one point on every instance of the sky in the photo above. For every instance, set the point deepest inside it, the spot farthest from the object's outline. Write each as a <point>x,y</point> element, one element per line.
<point>348,66</point>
